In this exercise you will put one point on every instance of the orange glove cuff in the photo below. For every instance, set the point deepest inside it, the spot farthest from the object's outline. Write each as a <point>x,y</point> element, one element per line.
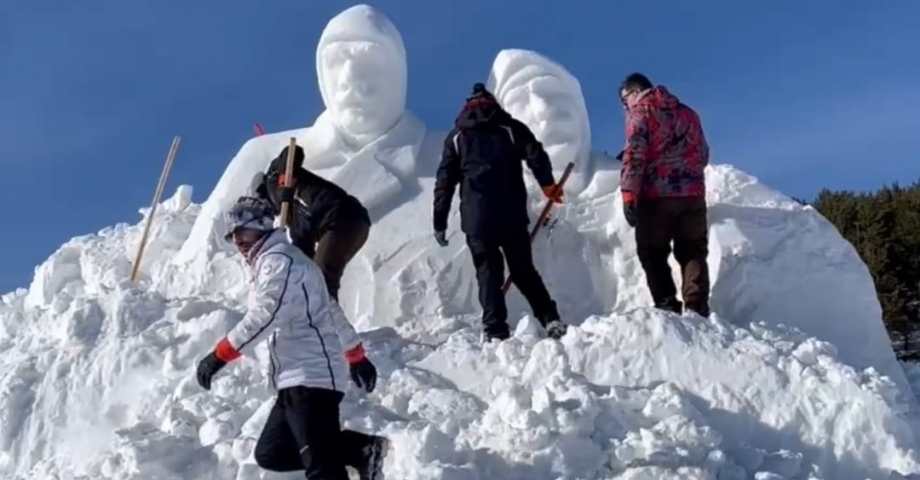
<point>629,197</point>
<point>226,352</point>
<point>553,192</point>
<point>355,355</point>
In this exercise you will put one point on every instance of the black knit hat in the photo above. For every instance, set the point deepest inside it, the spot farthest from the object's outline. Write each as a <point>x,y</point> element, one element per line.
<point>479,91</point>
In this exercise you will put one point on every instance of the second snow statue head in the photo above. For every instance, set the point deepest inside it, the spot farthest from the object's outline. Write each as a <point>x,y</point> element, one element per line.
<point>362,72</point>
<point>547,98</point>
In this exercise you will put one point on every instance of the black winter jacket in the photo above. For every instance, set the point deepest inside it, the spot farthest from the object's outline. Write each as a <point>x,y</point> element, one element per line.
<point>319,205</point>
<point>483,154</point>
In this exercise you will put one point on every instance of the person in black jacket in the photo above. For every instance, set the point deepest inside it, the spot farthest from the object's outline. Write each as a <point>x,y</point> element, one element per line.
<point>483,154</point>
<point>327,224</point>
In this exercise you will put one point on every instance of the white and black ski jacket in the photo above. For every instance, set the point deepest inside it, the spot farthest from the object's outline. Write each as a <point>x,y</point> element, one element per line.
<point>308,334</point>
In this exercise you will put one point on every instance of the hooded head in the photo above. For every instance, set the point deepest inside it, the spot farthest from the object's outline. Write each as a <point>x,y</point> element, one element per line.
<point>547,98</point>
<point>362,72</point>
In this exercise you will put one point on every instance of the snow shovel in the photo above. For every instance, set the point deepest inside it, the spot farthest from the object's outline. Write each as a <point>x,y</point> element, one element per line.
<point>543,218</point>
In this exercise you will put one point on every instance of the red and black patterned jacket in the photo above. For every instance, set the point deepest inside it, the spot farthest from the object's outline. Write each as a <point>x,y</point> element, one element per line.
<point>666,152</point>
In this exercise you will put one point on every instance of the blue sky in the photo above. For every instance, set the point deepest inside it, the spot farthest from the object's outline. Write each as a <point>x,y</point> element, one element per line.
<point>801,94</point>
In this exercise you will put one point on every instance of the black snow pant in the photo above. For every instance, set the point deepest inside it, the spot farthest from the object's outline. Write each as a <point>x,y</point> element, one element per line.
<point>303,433</point>
<point>683,221</point>
<point>490,275</point>
<point>336,248</point>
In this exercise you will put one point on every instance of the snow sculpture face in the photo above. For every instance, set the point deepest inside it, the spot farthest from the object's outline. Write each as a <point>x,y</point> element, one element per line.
<point>548,99</point>
<point>362,71</point>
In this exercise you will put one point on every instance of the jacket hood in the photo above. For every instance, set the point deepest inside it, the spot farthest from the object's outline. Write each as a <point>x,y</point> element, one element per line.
<point>659,97</point>
<point>477,111</point>
<point>270,239</point>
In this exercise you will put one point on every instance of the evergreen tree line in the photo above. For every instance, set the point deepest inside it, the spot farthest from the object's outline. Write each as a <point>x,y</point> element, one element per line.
<point>884,226</point>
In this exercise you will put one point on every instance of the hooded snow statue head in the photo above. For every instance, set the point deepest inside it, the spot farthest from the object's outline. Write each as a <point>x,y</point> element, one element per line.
<point>362,72</point>
<point>547,98</point>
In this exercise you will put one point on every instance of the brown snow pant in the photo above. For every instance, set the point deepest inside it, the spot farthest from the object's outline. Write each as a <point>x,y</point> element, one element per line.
<point>683,221</point>
<point>336,248</point>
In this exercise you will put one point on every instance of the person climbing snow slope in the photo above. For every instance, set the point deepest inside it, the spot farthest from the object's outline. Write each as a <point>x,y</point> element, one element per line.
<point>310,349</point>
<point>664,192</point>
<point>483,154</point>
<point>328,225</point>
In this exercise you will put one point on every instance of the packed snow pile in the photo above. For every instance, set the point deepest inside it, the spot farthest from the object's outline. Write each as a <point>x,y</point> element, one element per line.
<point>98,382</point>
<point>791,378</point>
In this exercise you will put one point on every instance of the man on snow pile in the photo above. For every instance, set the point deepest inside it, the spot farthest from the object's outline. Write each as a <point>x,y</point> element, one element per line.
<point>664,192</point>
<point>327,224</point>
<point>308,344</point>
<point>483,154</point>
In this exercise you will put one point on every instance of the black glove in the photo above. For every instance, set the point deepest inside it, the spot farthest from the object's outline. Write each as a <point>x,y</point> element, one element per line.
<point>631,212</point>
<point>441,237</point>
<point>631,208</point>
<point>364,374</point>
<point>286,194</point>
<point>207,367</point>
<point>279,164</point>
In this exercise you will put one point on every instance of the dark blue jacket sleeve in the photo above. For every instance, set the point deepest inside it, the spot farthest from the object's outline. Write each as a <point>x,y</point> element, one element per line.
<point>448,176</point>
<point>533,153</point>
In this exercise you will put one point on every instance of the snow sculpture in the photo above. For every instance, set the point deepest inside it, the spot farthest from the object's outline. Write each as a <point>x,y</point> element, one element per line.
<point>365,141</point>
<point>547,98</point>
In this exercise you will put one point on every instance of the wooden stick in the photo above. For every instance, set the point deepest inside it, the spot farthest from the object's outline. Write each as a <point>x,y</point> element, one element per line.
<point>542,218</point>
<point>153,206</point>
<point>288,174</point>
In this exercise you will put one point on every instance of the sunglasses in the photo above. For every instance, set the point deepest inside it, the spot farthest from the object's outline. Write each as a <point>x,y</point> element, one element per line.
<point>624,96</point>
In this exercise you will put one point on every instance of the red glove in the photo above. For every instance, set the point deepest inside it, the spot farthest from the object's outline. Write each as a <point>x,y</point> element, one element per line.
<point>553,193</point>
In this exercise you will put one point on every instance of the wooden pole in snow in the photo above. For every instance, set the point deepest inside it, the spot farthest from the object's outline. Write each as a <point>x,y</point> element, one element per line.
<point>153,206</point>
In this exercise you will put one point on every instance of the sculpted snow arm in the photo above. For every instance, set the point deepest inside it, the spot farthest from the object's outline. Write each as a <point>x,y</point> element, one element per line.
<point>264,315</point>
<point>448,176</point>
<point>635,152</point>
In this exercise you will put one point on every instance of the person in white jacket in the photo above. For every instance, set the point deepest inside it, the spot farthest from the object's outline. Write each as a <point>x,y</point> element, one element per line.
<point>311,345</point>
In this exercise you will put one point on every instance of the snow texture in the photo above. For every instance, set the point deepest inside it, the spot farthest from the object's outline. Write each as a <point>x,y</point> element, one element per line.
<point>792,378</point>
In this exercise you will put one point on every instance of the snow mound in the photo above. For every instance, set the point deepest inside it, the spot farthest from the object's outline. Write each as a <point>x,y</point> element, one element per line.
<point>98,373</point>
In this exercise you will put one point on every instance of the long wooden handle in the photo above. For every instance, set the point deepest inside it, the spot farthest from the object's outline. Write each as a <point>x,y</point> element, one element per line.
<point>541,219</point>
<point>153,206</point>
<point>288,177</point>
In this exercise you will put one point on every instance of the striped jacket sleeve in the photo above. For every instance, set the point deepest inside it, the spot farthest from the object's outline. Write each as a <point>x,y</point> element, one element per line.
<point>273,283</point>
<point>348,337</point>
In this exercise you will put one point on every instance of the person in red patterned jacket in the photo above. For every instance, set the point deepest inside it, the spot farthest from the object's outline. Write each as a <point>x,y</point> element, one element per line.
<point>664,192</point>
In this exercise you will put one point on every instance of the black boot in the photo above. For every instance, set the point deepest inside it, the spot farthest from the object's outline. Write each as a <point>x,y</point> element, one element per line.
<point>701,310</point>
<point>671,304</point>
<point>495,335</point>
<point>549,318</point>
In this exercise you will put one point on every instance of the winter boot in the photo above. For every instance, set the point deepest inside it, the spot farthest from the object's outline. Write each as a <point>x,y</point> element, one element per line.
<point>701,310</point>
<point>549,318</point>
<point>671,304</point>
<point>488,336</point>
<point>555,329</point>
<point>371,467</point>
